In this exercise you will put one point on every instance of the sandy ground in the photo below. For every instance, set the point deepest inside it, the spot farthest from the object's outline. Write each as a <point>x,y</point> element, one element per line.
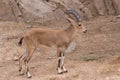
<point>96,56</point>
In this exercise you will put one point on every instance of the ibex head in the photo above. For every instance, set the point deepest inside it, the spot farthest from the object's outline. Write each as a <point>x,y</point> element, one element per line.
<point>77,25</point>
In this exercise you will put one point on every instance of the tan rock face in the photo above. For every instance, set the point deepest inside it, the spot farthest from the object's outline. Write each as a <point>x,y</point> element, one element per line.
<point>116,4</point>
<point>44,11</point>
<point>109,7</point>
<point>100,6</point>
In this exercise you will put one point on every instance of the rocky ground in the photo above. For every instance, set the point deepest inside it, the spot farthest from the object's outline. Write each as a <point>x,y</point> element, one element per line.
<point>96,56</point>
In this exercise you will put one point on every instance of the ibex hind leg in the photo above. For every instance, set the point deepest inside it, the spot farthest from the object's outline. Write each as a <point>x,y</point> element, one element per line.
<point>30,53</point>
<point>20,65</point>
<point>21,61</point>
<point>27,70</point>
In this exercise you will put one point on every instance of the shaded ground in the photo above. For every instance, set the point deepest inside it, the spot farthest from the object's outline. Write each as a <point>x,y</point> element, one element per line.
<point>95,57</point>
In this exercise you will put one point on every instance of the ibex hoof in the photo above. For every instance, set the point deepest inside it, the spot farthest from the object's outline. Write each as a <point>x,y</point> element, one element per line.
<point>29,75</point>
<point>60,72</point>
<point>21,73</point>
<point>65,71</point>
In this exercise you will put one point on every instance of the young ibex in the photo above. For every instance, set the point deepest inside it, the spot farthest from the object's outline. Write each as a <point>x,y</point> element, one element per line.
<point>48,37</point>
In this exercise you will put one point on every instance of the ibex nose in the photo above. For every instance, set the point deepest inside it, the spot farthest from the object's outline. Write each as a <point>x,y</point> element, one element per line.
<point>85,31</point>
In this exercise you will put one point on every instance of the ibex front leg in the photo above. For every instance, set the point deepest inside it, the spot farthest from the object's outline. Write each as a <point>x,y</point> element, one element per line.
<point>61,69</point>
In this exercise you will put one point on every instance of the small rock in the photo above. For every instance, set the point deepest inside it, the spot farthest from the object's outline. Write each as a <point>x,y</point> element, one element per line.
<point>49,58</point>
<point>118,16</point>
<point>15,58</point>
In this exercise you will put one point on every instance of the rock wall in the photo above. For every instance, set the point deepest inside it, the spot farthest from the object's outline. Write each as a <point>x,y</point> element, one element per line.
<point>48,10</point>
<point>106,7</point>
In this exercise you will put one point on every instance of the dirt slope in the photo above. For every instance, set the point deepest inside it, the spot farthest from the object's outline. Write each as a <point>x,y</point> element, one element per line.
<point>93,59</point>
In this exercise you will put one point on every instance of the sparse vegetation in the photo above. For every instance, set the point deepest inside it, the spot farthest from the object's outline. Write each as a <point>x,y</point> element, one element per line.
<point>91,57</point>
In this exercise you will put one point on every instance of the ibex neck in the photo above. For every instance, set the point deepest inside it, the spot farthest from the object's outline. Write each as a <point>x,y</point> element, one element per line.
<point>70,31</point>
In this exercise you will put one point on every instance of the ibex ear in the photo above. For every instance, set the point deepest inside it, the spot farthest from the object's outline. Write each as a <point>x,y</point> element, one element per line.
<point>71,21</point>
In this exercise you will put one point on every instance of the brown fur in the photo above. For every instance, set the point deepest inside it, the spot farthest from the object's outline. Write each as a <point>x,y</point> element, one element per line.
<point>48,37</point>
